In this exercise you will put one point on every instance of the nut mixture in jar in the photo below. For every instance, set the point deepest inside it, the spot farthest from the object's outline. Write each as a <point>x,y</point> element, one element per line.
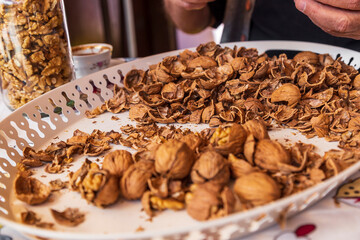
<point>34,49</point>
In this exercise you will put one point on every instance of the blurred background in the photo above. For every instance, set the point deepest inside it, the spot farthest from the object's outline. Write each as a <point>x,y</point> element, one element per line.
<point>135,28</point>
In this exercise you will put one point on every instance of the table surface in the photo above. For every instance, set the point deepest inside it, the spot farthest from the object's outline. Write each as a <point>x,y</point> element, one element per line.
<point>324,220</point>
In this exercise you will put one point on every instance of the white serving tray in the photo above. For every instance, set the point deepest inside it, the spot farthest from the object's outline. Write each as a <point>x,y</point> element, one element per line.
<point>27,127</point>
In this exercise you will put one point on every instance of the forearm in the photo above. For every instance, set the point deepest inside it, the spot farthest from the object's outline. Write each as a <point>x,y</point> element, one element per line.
<point>188,20</point>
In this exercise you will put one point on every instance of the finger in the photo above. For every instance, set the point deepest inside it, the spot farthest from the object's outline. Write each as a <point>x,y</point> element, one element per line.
<point>344,4</point>
<point>338,22</point>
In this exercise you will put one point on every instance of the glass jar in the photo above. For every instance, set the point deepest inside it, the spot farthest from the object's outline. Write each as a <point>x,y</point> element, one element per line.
<point>35,54</point>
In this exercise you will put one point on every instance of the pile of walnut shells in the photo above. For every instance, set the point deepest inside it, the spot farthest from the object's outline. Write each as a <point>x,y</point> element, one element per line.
<point>217,171</point>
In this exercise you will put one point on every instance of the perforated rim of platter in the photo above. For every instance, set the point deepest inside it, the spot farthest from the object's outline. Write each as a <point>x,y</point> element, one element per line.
<point>27,126</point>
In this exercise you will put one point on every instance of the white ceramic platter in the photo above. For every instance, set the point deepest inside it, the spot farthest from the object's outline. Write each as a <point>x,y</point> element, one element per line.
<point>26,127</point>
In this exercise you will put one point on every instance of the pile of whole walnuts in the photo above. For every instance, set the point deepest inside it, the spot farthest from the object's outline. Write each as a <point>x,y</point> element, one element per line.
<point>210,174</point>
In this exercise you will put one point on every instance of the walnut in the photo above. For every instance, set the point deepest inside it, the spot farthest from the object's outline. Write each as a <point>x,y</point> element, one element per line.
<point>95,185</point>
<point>211,166</point>
<point>229,139</point>
<point>117,162</point>
<point>249,148</point>
<point>193,140</point>
<point>287,92</point>
<point>134,181</point>
<point>209,200</point>
<point>75,179</point>
<point>270,155</point>
<point>174,159</point>
<point>239,167</point>
<point>257,188</point>
<point>31,190</point>
<point>257,128</point>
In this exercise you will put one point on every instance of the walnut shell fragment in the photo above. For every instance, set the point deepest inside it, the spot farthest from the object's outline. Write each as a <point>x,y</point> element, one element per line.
<point>70,217</point>
<point>31,190</point>
<point>31,218</point>
<point>152,203</point>
<point>287,92</point>
<point>307,56</point>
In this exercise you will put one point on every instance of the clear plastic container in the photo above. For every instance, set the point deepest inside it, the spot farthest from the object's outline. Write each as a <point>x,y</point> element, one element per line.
<point>35,54</point>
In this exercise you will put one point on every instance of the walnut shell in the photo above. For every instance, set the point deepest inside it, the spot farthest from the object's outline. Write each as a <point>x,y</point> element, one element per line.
<point>31,190</point>
<point>211,166</point>
<point>287,92</point>
<point>307,56</point>
<point>134,79</point>
<point>257,188</point>
<point>356,82</point>
<point>174,159</point>
<point>270,155</point>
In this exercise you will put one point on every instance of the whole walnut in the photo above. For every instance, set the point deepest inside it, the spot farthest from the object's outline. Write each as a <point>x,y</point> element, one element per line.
<point>174,159</point>
<point>117,162</point>
<point>209,200</point>
<point>270,155</point>
<point>109,193</point>
<point>257,128</point>
<point>239,166</point>
<point>193,140</point>
<point>249,148</point>
<point>134,181</point>
<point>229,139</point>
<point>256,188</point>
<point>211,166</point>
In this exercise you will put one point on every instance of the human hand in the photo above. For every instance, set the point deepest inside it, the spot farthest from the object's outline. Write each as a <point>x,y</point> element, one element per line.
<point>192,4</point>
<point>340,18</point>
